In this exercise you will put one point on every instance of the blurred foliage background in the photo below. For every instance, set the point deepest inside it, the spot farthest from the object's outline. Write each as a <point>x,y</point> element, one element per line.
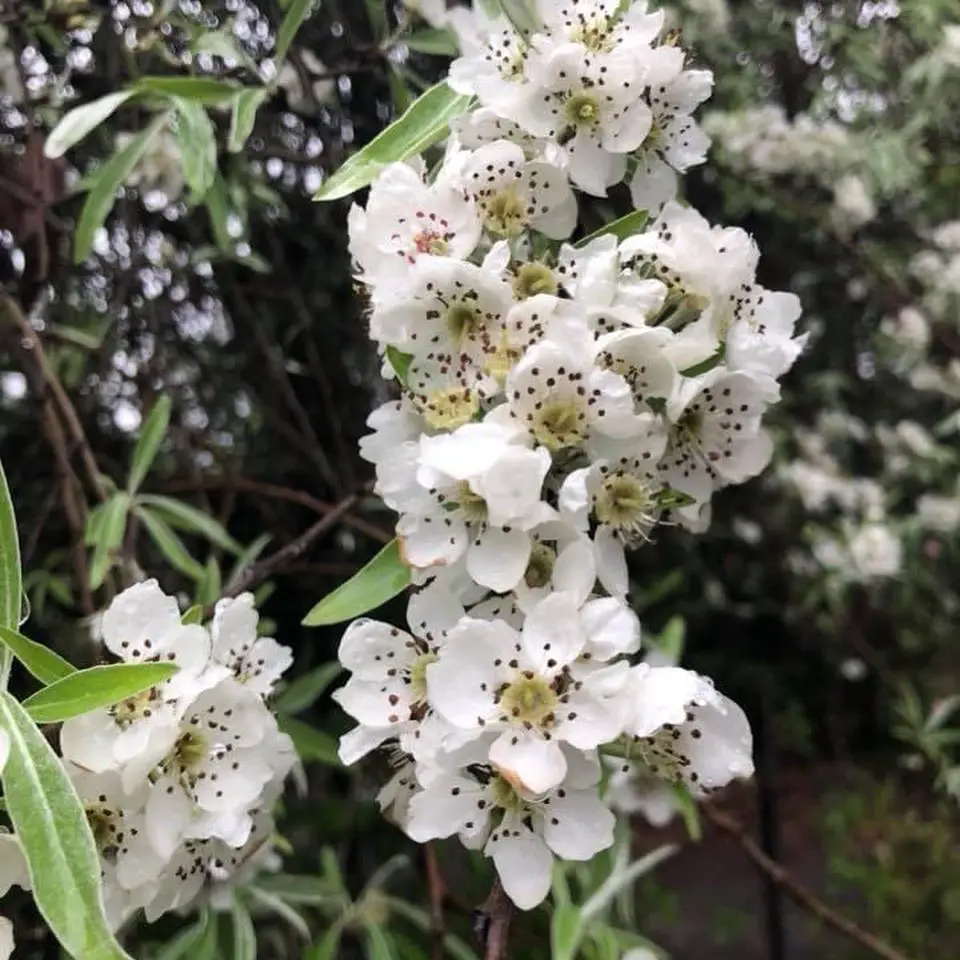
<point>824,595</point>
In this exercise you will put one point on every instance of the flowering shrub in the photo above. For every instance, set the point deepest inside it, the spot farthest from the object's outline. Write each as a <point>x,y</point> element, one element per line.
<point>567,363</point>
<point>560,400</point>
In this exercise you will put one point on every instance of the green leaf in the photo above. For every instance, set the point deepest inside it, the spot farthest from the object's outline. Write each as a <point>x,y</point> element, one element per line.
<point>169,544</point>
<point>183,943</point>
<point>380,580</point>
<point>197,139</point>
<point>203,90</point>
<point>210,587</point>
<point>109,537</point>
<point>400,362</point>
<point>302,889</point>
<point>377,15</point>
<point>193,615</point>
<point>86,690</point>
<point>298,12</point>
<point>328,947</point>
<point>705,366</point>
<point>306,690</point>
<point>423,124</point>
<point>148,443</point>
<point>77,123</point>
<point>190,519</point>
<point>689,811</point>
<point>566,930</point>
<point>206,946</point>
<point>440,43</point>
<point>40,661</point>
<point>622,228</point>
<point>244,936</point>
<point>313,746</point>
<point>378,945</point>
<point>247,556</point>
<point>106,182</point>
<point>11,581</point>
<point>670,499</point>
<point>51,825</point>
<point>243,116</point>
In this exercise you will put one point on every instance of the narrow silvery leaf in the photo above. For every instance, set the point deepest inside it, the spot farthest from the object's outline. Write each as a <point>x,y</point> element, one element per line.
<point>169,544</point>
<point>77,123</point>
<point>96,687</point>
<point>380,580</point>
<point>298,11</point>
<point>425,122</point>
<point>106,183</point>
<point>51,825</point>
<point>148,443</point>
<point>109,537</point>
<point>11,584</point>
<point>197,140</point>
<point>40,661</point>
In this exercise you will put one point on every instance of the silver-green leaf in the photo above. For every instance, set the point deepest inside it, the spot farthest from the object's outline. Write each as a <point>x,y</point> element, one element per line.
<point>51,825</point>
<point>77,123</point>
<point>426,121</point>
<point>96,687</point>
<point>40,661</point>
<point>148,443</point>
<point>382,578</point>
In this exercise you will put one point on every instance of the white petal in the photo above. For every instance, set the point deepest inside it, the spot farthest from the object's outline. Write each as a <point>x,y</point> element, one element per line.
<point>574,573</point>
<point>724,749</point>
<point>142,612</point>
<point>497,559</point>
<point>586,721</point>
<point>234,628</point>
<point>661,695</point>
<point>370,648</point>
<point>525,757</point>
<point>612,628</point>
<point>443,808</point>
<point>433,540</point>
<point>357,743</point>
<point>375,703</point>
<point>577,826</point>
<point>552,635</point>
<point>523,862</point>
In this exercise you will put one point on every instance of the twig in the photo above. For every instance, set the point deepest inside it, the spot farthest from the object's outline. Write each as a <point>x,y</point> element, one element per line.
<point>795,890</point>
<point>278,492</point>
<point>437,890</point>
<point>33,345</point>
<point>292,551</point>
<point>496,913</point>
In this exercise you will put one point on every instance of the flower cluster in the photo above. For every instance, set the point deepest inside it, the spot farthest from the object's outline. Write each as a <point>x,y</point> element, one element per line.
<point>178,781</point>
<point>560,400</point>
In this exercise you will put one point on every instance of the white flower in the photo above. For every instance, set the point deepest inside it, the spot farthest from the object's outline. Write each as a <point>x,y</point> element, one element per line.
<point>221,759</point>
<point>481,487</point>
<point>631,791</point>
<point>686,731</point>
<point>406,219</point>
<point>450,319</point>
<point>592,102</point>
<point>519,830</point>
<point>142,625</point>
<point>717,438</point>
<point>490,678</point>
<point>566,402</point>
<point>675,142</point>
<point>853,206</point>
<point>7,942</point>
<point>387,690</point>
<point>938,513</point>
<point>256,662</point>
<point>513,194</point>
<point>876,552</point>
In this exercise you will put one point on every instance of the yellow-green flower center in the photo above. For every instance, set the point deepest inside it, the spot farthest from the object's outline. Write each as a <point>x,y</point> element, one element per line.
<point>505,796</point>
<point>687,428</point>
<point>463,319</point>
<point>501,361</point>
<point>540,568</point>
<point>505,213</point>
<point>472,505</point>
<point>418,675</point>
<point>582,110</point>
<point>447,409</point>
<point>134,708</point>
<point>559,424</point>
<point>189,751</point>
<point>532,279</point>
<point>529,700</point>
<point>624,502</point>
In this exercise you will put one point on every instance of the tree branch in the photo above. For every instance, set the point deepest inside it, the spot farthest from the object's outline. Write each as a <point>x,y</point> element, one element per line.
<point>278,492</point>
<point>495,914</point>
<point>796,891</point>
<point>259,572</point>
<point>437,890</point>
